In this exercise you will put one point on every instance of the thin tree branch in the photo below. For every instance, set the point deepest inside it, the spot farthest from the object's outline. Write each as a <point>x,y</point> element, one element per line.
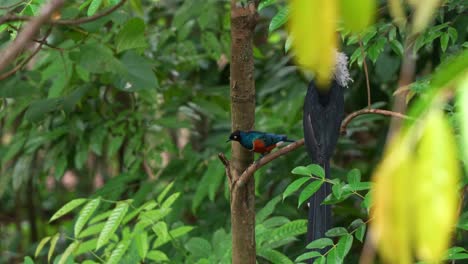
<point>28,33</point>
<point>351,116</point>
<point>91,18</point>
<point>12,18</point>
<point>148,169</point>
<point>12,5</point>
<point>24,62</point>
<point>227,166</point>
<point>250,171</point>
<point>369,102</point>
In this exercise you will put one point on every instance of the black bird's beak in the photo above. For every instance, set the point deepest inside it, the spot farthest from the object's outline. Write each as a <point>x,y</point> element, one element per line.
<point>228,140</point>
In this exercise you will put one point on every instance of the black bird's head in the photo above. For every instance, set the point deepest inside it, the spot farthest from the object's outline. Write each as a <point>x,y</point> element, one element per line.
<point>236,136</point>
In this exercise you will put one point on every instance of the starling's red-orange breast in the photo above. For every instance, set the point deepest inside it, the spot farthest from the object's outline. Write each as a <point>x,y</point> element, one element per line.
<point>258,142</point>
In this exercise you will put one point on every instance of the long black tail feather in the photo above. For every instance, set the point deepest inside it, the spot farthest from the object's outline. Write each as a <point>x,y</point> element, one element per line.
<point>320,218</point>
<point>323,113</point>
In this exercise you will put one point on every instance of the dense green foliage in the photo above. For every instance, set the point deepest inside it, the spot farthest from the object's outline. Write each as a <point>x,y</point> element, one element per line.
<point>112,131</point>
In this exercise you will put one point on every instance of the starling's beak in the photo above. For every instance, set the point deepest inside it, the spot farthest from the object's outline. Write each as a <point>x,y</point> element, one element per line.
<point>228,140</point>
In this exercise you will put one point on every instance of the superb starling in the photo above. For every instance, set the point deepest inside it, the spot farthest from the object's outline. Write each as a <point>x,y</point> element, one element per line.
<point>258,142</point>
<point>323,113</point>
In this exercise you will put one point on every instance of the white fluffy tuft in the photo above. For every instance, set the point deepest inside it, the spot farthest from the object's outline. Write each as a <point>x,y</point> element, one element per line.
<point>341,72</point>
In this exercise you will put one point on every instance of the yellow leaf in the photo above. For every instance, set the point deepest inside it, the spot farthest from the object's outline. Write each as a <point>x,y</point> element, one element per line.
<point>391,225</point>
<point>312,25</point>
<point>462,96</point>
<point>357,15</point>
<point>416,199</point>
<point>435,185</point>
<point>423,12</point>
<point>397,12</point>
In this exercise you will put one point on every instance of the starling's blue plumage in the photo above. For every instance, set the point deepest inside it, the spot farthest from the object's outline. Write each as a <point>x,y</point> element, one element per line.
<point>256,141</point>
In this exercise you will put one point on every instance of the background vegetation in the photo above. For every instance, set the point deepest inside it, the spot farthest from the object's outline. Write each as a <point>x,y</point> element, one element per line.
<point>129,111</point>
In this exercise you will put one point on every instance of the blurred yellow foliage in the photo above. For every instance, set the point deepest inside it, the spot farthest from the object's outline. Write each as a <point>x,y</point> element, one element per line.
<point>416,200</point>
<point>357,15</point>
<point>312,25</point>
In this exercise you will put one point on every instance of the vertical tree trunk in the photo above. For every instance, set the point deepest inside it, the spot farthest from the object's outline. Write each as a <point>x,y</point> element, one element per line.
<point>243,20</point>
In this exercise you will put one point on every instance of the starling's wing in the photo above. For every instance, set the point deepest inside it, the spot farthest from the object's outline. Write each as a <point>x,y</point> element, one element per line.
<point>322,120</point>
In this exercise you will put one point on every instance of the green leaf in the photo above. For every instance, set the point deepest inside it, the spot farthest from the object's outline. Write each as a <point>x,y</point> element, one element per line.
<point>112,223</point>
<point>157,256</point>
<point>444,39</point>
<point>265,3</point>
<point>132,36</point>
<point>308,191</point>
<point>360,232</point>
<point>138,73</point>
<point>273,256</point>
<point>337,189</point>
<point>288,230</point>
<point>275,221</point>
<point>92,230</point>
<point>85,214</point>
<point>354,176</point>
<point>316,170</point>
<point>397,47</point>
<point>344,245</point>
<point>166,190</point>
<point>209,183</point>
<point>336,231</point>
<point>160,229</point>
<point>294,186</point>
<point>97,58</point>
<point>175,233</point>
<point>279,19</point>
<point>67,208</point>
<point>114,145</point>
<point>38,109</point>
<point>86,247</point>
<point>170,200</point>
<point>94,6</point>
<point>454,252</point>
<point>288,44</point>
<point>118,252</point>
<point>28,260</point>
<point>97,139</point>
<point>100,216</point>
<point>53,243</point>
<point>458,256</point>
<point>41,245</point>
<point>68,252</point>
<point>320,243</point>
<point>266,211</point>
<point>142,244</point>
<point>367,200</point>
<point>199,247</point>
<point>312,169</point>
<point>308,255</point>
<point>333,257</point>
<point>211,44</point>
<point>320,260</point>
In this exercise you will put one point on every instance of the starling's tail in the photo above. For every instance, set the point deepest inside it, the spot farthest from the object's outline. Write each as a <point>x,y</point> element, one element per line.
<point>319,220</point>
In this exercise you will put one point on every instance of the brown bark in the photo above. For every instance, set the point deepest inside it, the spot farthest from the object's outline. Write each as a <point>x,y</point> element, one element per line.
<point>407,72</point>
<point>243,20</point>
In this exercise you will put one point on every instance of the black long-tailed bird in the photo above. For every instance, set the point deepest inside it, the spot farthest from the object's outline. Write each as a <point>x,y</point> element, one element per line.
<point>323,113</point>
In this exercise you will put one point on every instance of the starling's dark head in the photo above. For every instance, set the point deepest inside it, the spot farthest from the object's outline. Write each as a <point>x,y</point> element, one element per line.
<point>235,136</point>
